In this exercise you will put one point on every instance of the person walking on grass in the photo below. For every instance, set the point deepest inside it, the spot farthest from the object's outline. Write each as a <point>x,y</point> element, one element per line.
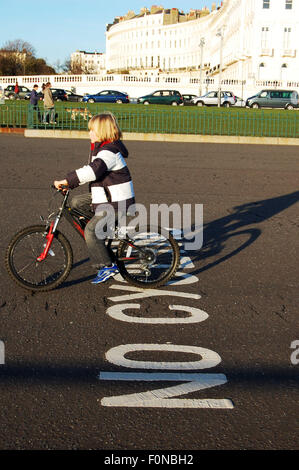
<point>33,106</point>
<point>49,109</point>
<point>16,91</point>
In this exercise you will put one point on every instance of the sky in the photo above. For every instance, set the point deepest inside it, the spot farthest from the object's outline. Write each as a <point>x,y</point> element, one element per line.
<point>57,28</point>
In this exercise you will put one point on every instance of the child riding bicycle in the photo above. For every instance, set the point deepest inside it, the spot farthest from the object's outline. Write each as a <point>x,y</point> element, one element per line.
<point>110,184</point>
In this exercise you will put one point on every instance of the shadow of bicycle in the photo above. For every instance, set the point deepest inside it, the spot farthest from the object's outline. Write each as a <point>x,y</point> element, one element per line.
<point>228,236</point>
<point>225,237</point>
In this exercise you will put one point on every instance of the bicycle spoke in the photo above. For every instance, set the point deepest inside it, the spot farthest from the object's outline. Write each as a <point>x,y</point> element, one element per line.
<point>25,267</point>
<point>155,258</point>
<point>28,270</point>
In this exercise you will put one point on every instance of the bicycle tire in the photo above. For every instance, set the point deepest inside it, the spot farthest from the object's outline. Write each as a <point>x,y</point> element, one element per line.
<point>136,280</point>
<point>32,240</point>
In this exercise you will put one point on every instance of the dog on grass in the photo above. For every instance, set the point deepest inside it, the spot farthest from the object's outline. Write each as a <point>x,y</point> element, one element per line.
<point>77,112</point>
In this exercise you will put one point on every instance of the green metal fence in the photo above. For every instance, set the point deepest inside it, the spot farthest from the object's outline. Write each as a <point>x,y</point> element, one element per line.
<point>159,119</point>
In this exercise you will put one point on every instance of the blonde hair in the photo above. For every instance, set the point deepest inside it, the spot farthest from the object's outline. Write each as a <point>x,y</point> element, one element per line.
<point>105,127</point>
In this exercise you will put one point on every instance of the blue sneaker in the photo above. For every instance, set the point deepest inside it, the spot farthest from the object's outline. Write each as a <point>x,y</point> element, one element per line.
<point>104,274</point>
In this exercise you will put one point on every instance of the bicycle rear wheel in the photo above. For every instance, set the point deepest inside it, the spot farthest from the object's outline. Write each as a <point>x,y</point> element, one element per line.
<point>149,259</point>
<point>23,267</point>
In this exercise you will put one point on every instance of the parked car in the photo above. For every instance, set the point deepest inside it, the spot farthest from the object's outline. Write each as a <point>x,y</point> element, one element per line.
<point>288,99</point>
<point>107,96</point>
<point>188,99</point>
<point>172,97</point>
<point>73,96</point>
<point>240,103</point>
<point>57,93</point>
<point>24,92</point>
<point>227,99</point>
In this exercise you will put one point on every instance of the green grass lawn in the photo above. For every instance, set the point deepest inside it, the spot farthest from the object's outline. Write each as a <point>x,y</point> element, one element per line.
<point>165,119</point>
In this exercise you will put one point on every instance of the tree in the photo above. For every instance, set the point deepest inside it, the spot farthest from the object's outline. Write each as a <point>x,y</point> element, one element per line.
<point>66,66</point>
<point>38,67</point>
<point>59,67</point>
<point>18,45</point>
<point>76,67</point>
<point>9,65</point>
<point>18,58</point>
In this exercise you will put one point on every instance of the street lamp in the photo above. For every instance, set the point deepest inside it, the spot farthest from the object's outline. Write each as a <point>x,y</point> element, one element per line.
<point>220,34</point>
<point>201,44</point>
<point>262,65</point>
<point>282,70</point>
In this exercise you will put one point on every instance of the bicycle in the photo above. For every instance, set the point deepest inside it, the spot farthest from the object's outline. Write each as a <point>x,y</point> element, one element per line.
<point>40,257</point>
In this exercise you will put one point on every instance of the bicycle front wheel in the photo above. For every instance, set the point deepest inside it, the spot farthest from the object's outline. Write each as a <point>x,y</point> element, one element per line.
<point>23,267</point>
<point>148,259</point>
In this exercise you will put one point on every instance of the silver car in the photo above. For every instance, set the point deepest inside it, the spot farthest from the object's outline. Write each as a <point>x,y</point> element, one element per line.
<point>287,99</point>
<point>211,99</point>
<point>240,103</point>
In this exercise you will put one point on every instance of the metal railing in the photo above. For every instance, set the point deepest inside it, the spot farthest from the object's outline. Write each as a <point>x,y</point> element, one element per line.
<point>159,119</point>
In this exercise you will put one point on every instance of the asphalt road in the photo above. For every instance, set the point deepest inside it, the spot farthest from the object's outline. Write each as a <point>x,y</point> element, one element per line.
<point>245,279</point>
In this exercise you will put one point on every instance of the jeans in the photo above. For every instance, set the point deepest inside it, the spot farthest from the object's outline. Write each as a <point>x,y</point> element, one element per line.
<point>33,110</point>
<point>49,112</point>
<point>98,254</point>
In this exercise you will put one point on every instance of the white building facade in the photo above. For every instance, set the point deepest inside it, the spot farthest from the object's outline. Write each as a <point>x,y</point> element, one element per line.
<point>88,62</point>
<point>260,41</point>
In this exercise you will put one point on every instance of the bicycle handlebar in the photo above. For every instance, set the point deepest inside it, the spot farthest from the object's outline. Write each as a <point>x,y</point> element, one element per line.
<point>62,188</point>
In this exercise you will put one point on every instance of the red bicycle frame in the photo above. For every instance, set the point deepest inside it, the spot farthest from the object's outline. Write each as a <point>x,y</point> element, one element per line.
<point>69,214</point>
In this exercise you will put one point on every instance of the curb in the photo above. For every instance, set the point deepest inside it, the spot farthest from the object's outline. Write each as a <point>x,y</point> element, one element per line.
<point>190,138</point>
<point>12,130</point>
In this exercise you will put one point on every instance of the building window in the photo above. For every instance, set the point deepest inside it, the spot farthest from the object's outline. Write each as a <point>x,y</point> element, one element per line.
<point>265,37</point>
<point>289,4</point>
<point>287,38</point>
<point>266,3</point>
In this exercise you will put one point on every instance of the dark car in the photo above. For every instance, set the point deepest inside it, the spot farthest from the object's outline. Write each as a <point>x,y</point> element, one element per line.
<point>24,92</point>
<point>172,97</point>
<point>107,96</point>
<point>73,96</point>
<point>188,99</point>
<point>57,93</point>
<point>288,99</point>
